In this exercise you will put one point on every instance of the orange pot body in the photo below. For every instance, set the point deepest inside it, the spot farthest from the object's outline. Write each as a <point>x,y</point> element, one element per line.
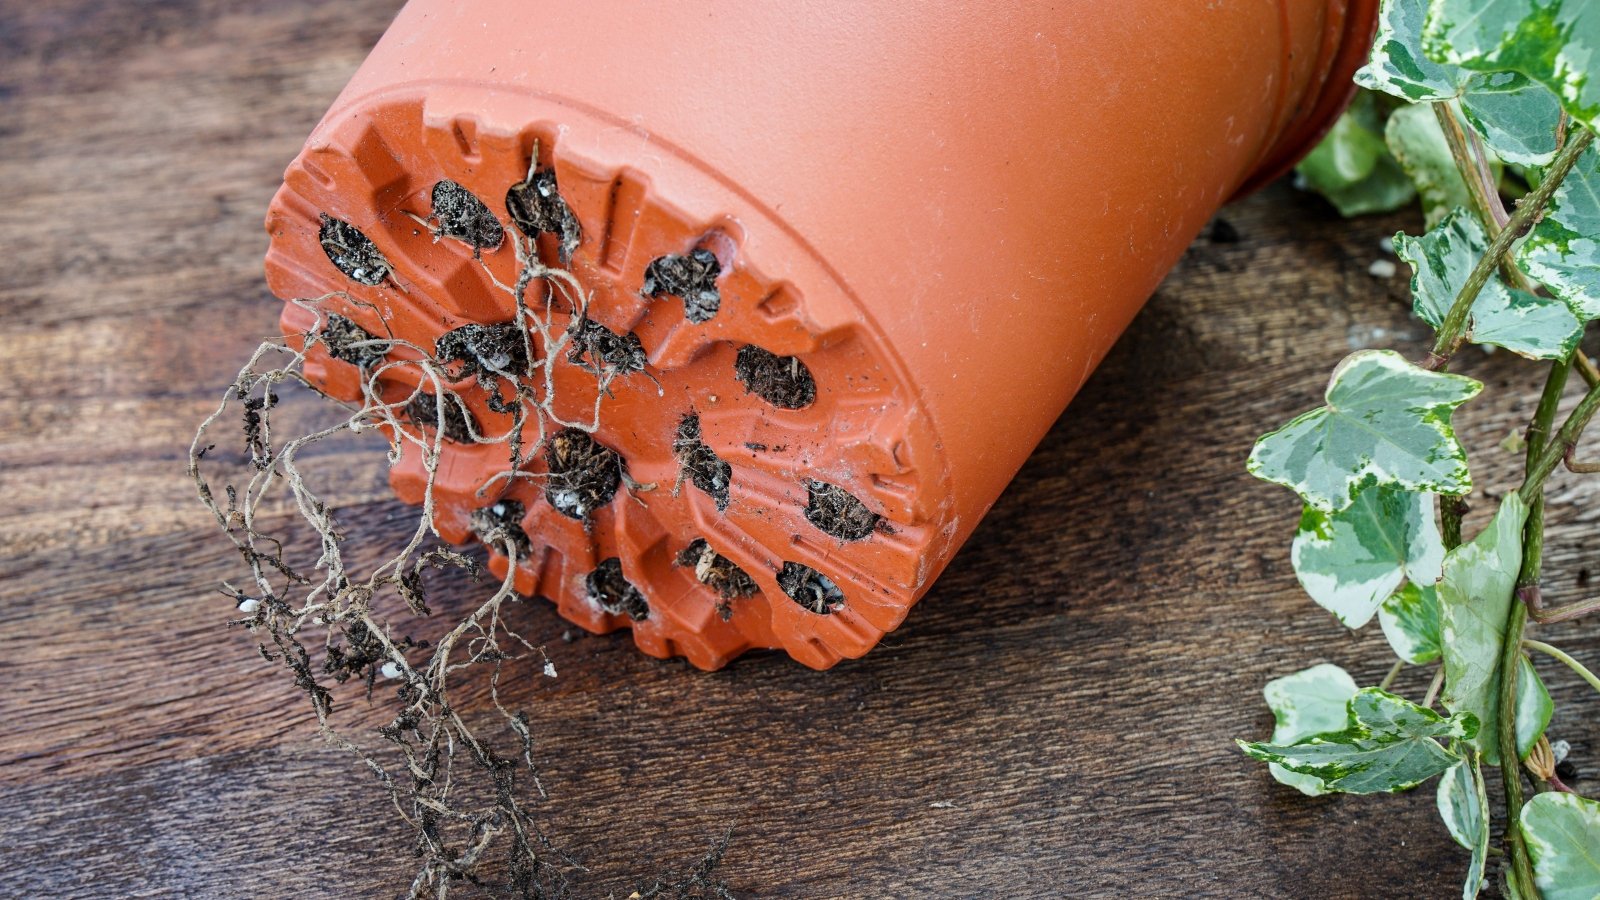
<point>947,214</point>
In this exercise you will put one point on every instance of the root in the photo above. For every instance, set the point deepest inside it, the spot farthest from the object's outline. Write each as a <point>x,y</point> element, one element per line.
<point>464,790</point>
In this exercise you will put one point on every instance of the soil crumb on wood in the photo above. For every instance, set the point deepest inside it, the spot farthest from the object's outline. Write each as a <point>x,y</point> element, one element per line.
<point>584,474</point>
<point>614,593</point>
<point>837,512</point>
<point>461,215</point>
<point>459,423</point>
<point>810,588</point>
<point>783,381</point>
<point>1223,232</point>
<point>536,208</point>
<point>691,278</point>
<point>342,337</point>
<point>597,349</point>
<point>351,252</point>
<point>699,463</point>
<point>717,572</point>
<point>493,350</point>
<point>500,523</point>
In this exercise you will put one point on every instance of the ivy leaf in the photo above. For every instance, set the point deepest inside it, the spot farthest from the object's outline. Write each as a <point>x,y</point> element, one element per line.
<point>1352,167</point>
<point>1562,832</point>
<point>1534,708</point>
<point>1563,250</point>
<point>1388,744</point>
<point>1474,599</point>
<point>1418,144</point>
<point>1309,702</point>
<point>1352,560</point>
<point>1553,42</point>
<point>1516,117</point>
<point>1441,261</point>
<point>1464,807</point>
<point>1397,65</point>
<point>1518,125</point>
<point>1387,422</point>
<point>1410,620</point>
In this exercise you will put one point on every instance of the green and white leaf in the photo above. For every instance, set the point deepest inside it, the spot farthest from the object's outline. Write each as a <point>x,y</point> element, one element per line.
<point>1474,600</point>
<point>1352,560</point>
<point>1397,66</point>
<point>1309,702</point>
<point>1516,117</point>
<point>1418,144</point>
<point>1464,807</point>
<point>1442,260</point>
<point>1534,708</point>
<point>1388,744</point>
<point>1563,250</point>
<point>1562,832</point>
<point>1553,42</point>
<point>1352,166</point>
<point>1519,126</point>
<point>1387,422</point>
<point>1410,620</point>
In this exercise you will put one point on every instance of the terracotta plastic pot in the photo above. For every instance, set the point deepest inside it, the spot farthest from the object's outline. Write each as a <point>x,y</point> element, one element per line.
<point>907,234</point>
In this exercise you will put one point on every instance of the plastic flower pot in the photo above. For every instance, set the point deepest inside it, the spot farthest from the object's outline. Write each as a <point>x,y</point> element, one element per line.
<point>869,251</point>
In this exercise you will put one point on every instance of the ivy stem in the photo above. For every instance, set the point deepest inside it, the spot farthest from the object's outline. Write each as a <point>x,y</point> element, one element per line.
<point>1527,593</point>
<point>1433,688</point>
<point>1393,671</point>
<point>1579,468</point>
<point>1451,510</point>
<point>1558,653</point>
<point>1537,438</point>
<point>1551,454</point>
<point>1548,615</point>
<point>1510,773</point>
<point>1474,168</point>
<point>1453,329</point>
<point>1586,368</point>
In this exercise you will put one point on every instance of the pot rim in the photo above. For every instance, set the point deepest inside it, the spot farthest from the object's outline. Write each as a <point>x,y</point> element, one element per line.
<point>1338,89</point>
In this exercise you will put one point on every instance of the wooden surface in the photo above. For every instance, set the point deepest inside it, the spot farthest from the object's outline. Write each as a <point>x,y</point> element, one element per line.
<point>1054,719</point>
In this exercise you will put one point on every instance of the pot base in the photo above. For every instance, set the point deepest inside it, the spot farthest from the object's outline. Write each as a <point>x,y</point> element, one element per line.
<point>759,473</point>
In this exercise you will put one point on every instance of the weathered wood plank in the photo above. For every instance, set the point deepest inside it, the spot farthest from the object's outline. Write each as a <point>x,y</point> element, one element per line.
<point>1070,686</point>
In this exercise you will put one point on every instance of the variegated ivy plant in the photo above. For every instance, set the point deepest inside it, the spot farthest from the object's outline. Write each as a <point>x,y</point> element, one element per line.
<point>1462,98</point>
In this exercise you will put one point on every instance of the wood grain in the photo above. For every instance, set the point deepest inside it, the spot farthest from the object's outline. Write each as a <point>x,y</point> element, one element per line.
<point>1054,719</point>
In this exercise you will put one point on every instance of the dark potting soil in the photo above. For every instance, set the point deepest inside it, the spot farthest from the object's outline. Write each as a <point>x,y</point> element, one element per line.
<point>614,593</point>
<point>837,512</point>
<point>536,208</point>
<point>699,463</point>
<point>502,521</point>
<point>351,252</point>
<point>691,278</point>
<point>783,381</point>
<point>462,216</point>
<point>459,423</point>
<point>716,571</point>
<point>596,348</point>
<point>492,350</point>
<point>810,588</point>
<point>584,474</point>
<point>341,336</point>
